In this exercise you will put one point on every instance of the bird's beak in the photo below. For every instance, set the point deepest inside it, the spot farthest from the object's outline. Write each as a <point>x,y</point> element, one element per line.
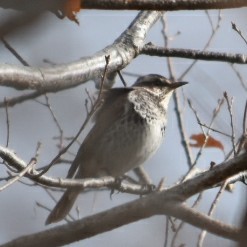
<point>175,85</point>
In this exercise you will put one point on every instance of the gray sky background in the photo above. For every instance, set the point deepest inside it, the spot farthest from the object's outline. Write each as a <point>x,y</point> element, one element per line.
<point>62,41</point>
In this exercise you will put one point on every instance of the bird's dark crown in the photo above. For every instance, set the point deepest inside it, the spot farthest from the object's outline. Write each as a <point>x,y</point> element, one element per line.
<point>152,80</point>
<point>157,81</point>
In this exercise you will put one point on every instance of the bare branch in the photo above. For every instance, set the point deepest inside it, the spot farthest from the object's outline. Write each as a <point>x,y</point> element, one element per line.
<point>239,76</point>
<point>62,77</point>
<point>60,129</point>
<point>215,113</point>
<point>229,106</point>
<point>178,108</point>
<point>13,160</point>
<point>210,212</point>
<point>214,31</point>
<point>119,216</point>
<point>20,99</point>
<point>21,174</point>
<point>168,5</point>
<point>7,121</point>
<point>190,187</point>
<point>14,52</point>
<point>234,27</point>
<point>152,50</point>
<point>166,202</point>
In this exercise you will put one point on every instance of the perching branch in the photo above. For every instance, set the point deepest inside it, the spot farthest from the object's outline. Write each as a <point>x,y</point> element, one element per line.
<point>165,202</point>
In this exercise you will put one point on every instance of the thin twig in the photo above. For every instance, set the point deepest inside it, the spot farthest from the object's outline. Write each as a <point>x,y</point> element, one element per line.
<point>195,204</point>
<point>196,115</point>
<point>26,170</point>
<point>131,74</point>
<point>121,78</point>
<point>210,212</point>
<point>230,110</point>
<point>90,99</point>
<point>178,112</point>
<point>214,30</point>
<point>209,19</point>
<point>215,113</point>
<point>14,52</point>
<point>20,99</point>
<point>166,232</point>
<point>243,139</point>
<point>245,119</point>
<point>235,28</point>
<point>20,174</point>
<point>215,130</point>
<point>239,77</point>
<point>7,121</point>
<point>56,122</point>
<point>37,152</point>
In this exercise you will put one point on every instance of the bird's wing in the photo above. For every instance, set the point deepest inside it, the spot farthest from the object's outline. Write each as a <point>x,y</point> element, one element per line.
<point>111,102</point>
<point>111,108</point>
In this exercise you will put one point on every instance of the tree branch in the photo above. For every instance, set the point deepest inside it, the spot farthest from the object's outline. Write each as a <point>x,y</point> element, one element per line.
<point>167,5</point>
<point>165,202</point>
<point>13,160</point>
<point>152,50</point>
<point>190,187</point>
<point>62,77</point>
<point>119,216</point>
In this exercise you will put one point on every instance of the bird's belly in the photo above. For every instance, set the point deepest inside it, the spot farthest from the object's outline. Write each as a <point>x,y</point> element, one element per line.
<point>127,146</point>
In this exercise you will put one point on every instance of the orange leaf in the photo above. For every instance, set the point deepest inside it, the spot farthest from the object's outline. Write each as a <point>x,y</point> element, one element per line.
<point>71,7</point>
<point>200,140</point>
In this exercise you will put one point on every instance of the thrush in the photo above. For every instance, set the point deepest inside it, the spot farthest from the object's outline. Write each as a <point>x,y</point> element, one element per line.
<point>129,128</point>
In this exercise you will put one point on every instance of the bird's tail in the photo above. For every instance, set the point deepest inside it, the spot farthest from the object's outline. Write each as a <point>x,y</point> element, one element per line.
<point>63,206</point>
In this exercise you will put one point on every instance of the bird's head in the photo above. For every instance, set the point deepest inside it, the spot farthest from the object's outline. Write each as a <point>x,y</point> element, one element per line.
<point>159,86</point>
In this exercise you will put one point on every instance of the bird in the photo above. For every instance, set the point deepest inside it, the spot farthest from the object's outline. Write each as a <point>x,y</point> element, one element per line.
<point>128,129</point>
